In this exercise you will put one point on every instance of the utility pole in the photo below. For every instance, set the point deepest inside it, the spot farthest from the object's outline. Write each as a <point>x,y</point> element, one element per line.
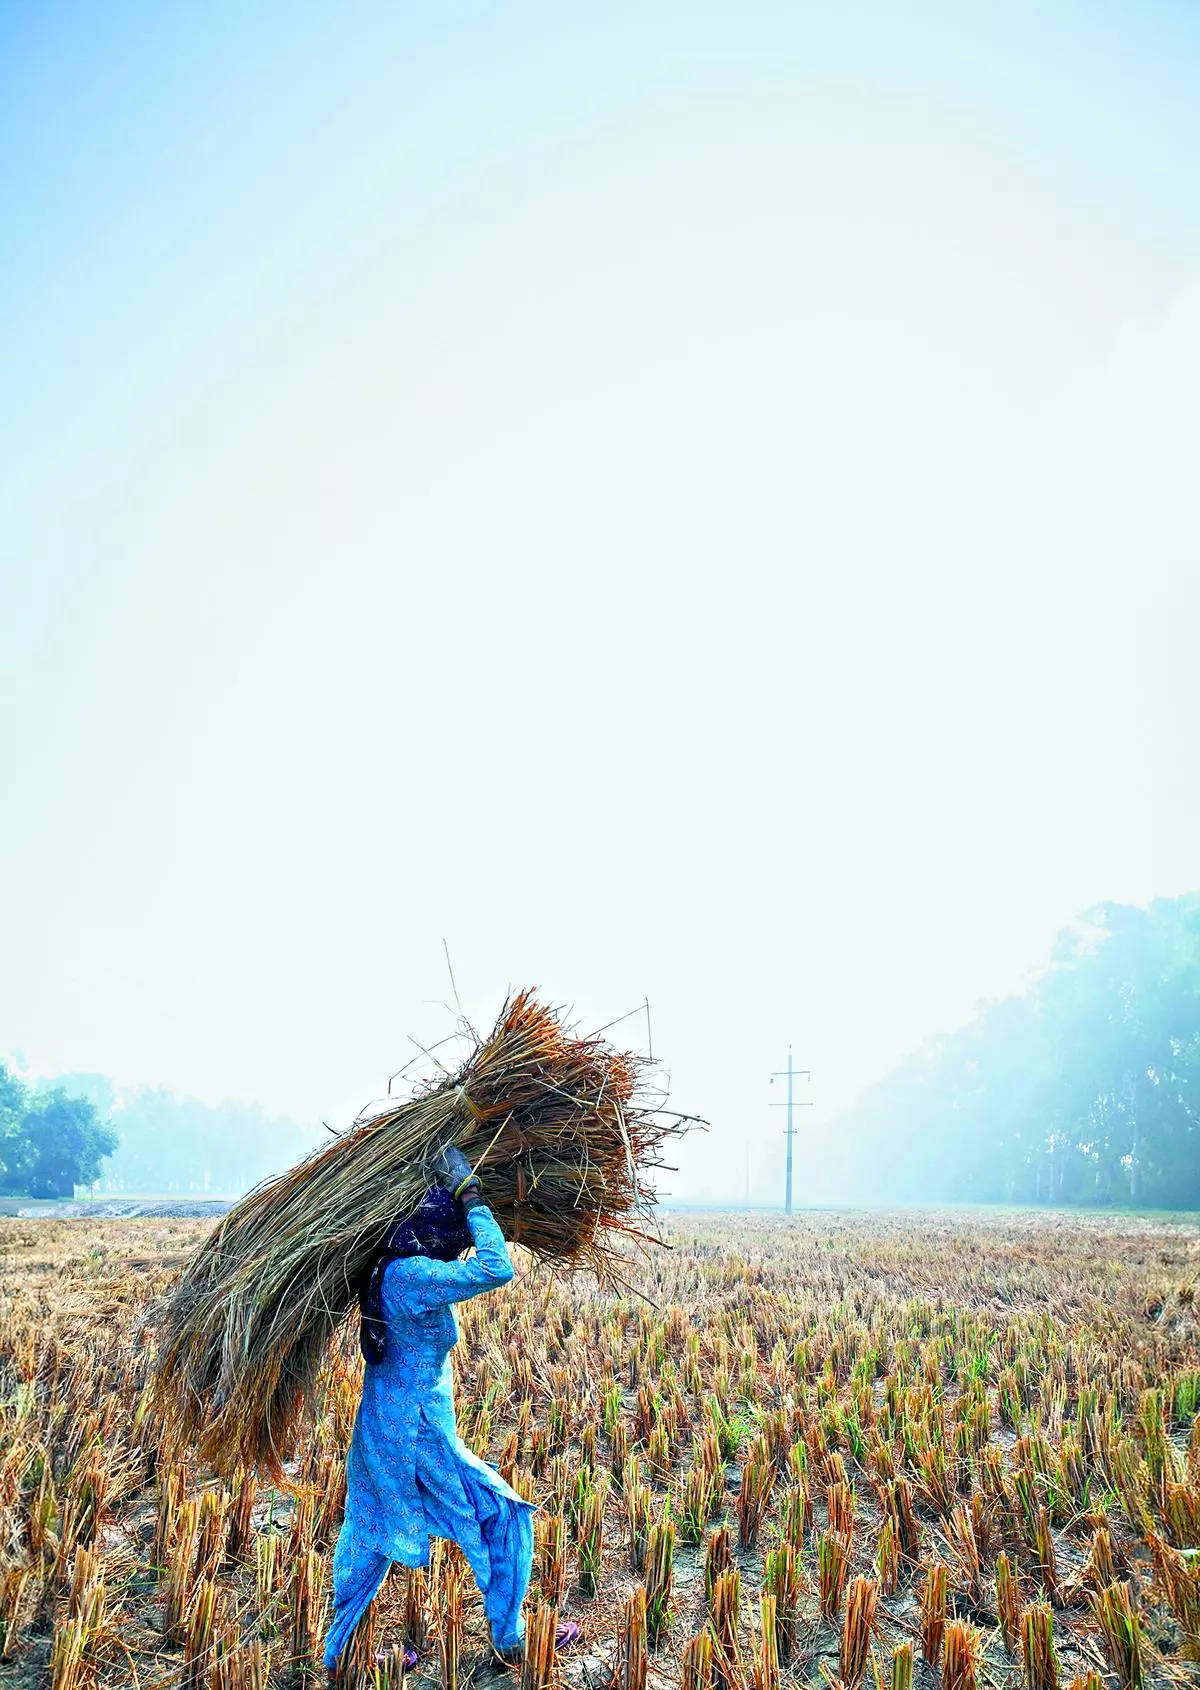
<point>790,1132</point>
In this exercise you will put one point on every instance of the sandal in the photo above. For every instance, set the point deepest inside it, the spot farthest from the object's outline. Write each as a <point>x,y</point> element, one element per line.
<point>408,1655</point>
<point>567,1636</point>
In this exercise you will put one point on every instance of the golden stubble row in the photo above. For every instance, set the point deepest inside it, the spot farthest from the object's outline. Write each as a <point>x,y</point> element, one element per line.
<point>965,1447</point>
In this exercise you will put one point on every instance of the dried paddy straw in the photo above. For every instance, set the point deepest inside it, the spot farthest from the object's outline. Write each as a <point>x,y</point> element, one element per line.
<point>558,1129</point>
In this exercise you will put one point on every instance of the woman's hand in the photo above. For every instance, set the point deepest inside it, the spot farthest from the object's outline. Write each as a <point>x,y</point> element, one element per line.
<point>455,1174</point>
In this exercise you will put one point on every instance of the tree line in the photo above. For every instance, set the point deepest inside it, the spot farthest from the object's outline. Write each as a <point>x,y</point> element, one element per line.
<point>1085,1089</point>
<point>81,1130</point>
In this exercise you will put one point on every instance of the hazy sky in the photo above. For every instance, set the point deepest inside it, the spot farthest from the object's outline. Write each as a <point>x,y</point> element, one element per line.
<point>675,499</point>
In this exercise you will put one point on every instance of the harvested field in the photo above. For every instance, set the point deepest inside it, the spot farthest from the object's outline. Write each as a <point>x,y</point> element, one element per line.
<point>935,1449</point>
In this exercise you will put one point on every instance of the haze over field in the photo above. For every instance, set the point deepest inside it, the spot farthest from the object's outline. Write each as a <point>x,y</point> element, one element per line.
<point>698,503</point>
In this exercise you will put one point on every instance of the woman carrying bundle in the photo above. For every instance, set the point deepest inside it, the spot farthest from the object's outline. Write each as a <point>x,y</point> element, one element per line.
<point>408,1475</point>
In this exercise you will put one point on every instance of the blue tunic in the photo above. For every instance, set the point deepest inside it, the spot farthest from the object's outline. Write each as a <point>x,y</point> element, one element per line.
<point>408,1474</point>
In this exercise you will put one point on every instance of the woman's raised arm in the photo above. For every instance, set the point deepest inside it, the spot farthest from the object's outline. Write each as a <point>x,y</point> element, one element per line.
<point>419,1283</point>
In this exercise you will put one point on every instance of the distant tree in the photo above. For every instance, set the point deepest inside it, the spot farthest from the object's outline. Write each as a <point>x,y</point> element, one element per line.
<point>50,1142</point>
<point>67,1141</point>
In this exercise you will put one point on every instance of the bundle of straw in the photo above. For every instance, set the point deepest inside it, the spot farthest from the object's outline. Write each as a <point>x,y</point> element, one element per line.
<point>560,1135</point>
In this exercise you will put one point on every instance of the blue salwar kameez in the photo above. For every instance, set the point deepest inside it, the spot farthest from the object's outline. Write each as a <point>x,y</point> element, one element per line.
<point>409,1476</point>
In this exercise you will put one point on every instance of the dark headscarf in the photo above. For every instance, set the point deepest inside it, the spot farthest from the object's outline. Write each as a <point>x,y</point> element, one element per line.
<point>436,1228</point>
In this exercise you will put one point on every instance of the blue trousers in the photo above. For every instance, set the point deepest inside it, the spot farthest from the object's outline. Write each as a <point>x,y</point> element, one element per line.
<point>495,1535</point>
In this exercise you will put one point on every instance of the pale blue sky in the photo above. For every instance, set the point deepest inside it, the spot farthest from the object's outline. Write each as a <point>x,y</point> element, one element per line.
<point>696,500</point>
